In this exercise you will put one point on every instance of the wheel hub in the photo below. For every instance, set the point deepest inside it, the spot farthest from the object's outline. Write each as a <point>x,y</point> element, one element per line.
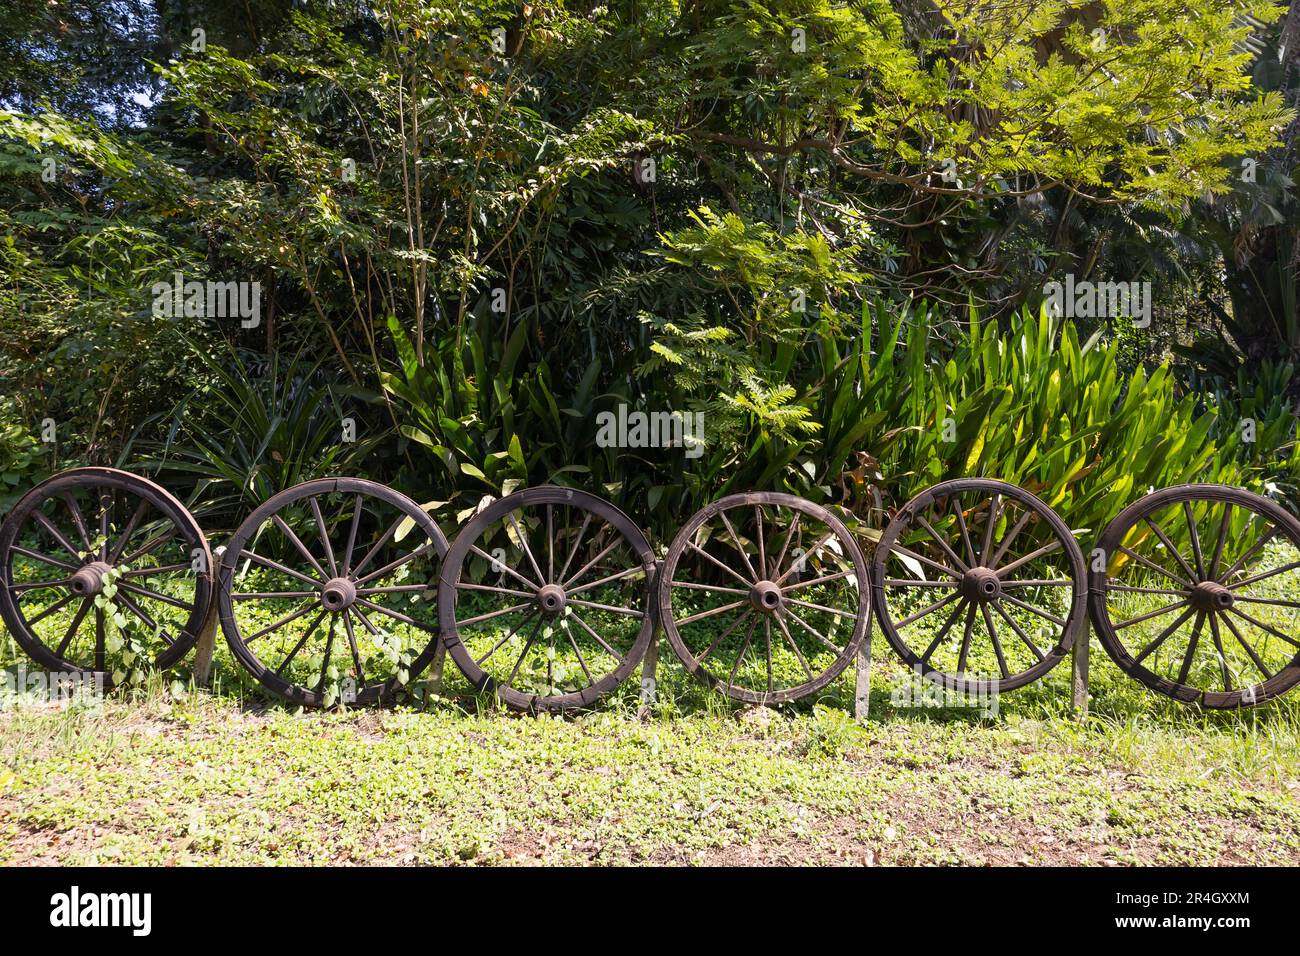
<point>1211,596</point>
<point>981,585</point>
<point>89,581</point>
<point>552,599</point>
<point>338,594</point>
<point>765,596</point>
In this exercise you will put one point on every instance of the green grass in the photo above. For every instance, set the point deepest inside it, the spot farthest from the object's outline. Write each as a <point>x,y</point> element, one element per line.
<point>172,775</point>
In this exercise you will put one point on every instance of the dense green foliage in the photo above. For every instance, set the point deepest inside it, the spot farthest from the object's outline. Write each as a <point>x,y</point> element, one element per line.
<point>477,226</point>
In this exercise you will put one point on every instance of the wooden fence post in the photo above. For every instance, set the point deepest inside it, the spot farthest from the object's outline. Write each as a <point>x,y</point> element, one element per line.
<point>1079,673</point>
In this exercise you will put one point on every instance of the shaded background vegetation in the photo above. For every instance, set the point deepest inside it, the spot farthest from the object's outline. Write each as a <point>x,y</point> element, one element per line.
<point>501,268</point>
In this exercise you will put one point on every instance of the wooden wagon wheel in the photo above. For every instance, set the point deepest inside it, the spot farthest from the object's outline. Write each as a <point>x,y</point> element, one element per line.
<point>765,597</point>
<point>327,591</point>
<point>93,555</point>
<point>544,599</point>
<point>1198,598</point>
<point>979,586</point>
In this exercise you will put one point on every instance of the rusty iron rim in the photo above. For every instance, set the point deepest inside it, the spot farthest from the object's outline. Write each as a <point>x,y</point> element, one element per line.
<point>131,519</point>
<point>971,536</point>
<point>340,590</point>
<point>1211,588</point>
<point>764,589</point>
<point>544,588</point>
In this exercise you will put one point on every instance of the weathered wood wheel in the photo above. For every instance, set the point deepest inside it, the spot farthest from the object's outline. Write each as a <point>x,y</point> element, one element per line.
<point>979,586</point>
<point>1198,596</point>
<point>95,554</point>
<point>544,599</point>
<point>327,592</point>
<point>765,597</point>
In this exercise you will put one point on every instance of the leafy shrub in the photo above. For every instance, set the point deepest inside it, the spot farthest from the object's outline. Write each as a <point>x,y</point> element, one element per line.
<point>22,462</point>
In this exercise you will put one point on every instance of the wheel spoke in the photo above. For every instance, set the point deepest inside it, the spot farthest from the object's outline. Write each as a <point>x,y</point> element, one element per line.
<point>823,608</point>
<point>1171,550</point>
<point>916,583</point>
<point>1046,615</point>
<point>377,546</point>
<point>1250,651</point>
<point>469,586</point>
<point>971,560</point>
<point>154,595</point>
<point>392,566</point>
<point>396,615</point>
<point>597,638</point>
<point>150,545</point>
<point>37,585</point>
<point>721,609</point>
<point>582,661</point>
<point>762,564</point>
<point>1264,627</point>
<point>821,580</point>
<point>43,558</point>
<point>629,611</point>
<point>506,568</point>
<point>505,640</point>
<point>1264,575</point>
<point>78,520</point>
<point>86,605</point>
<point>943,632</point>
<point>1020,633</point>
<point>1150,614</point>
<point>785,545</point>
<point>1008,538</point>
<point>479,618</point>
<point>143,615</point>
<point>995,512</point>
<point>352,646</point>
<point>524,653</point>
<point>297,543</point>
<point>1154,567</point>
<point>785,632</point>
<point>1048,548</point>
<point>821,543</point>
<point>593,562</point>
<point>523,543</point>
<point>292,616</point>
<point>573,552</point>
<point>99,640</point>
<point>943,545</point>
<point>1191,644</point>
<point>57,535</point>
<point>115,553</point>
<point>744,554</point>
<point>826,641</point>
<point>1196,540</point>
<point>324,536</point>
<point>352,535</point>
<point>735,668</point>
<point>161,569</point>
<point>279,671</point>
<point>1218,647</point>
<point>268,595</point>
<point>1221,541</point>
<point>964,653</point>
<point>697,548</point>
<point>913,618</point>
<point>277,566</point>
<point>1136,590</point>
<point>1254,549</point>
<point>997,645</point>
<point>550,542</point>
<point>899,549</point>
<point>329,648</point>
<point>1164,635</point>
<point>629,572</point>
<point>52,609</point>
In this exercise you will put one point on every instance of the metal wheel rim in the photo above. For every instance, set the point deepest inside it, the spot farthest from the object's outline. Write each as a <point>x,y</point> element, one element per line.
<point>1101,587</point>
<point>688,658</point>
<point>236,640</point>
<point>451,582</point>
<point>162,503</point>
<point>1066,632</point>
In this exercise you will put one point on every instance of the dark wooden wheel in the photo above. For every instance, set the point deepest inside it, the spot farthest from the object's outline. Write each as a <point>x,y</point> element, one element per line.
<point>327,592</point>
<point>96,559</point>
<point>1200,595</point>
<point>979,586</point>
<point>544,599</point>
<point>765,597</point>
